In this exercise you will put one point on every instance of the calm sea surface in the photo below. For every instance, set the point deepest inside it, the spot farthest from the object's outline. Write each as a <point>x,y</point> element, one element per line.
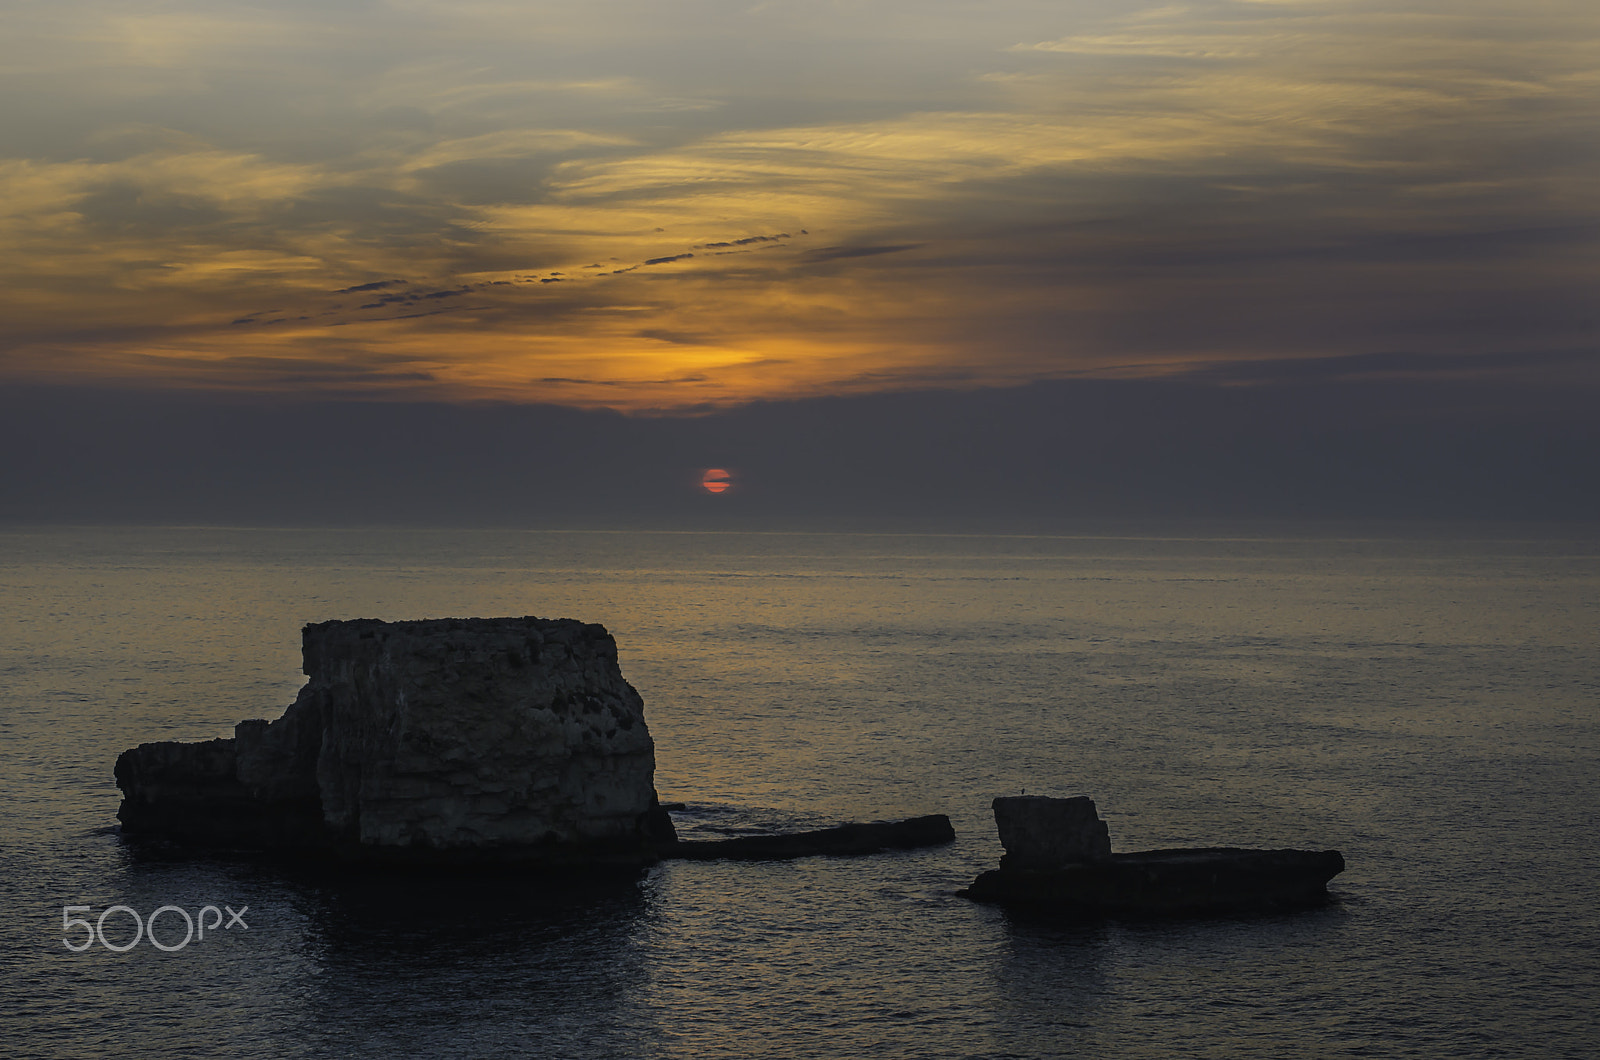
<point>1425,700</point>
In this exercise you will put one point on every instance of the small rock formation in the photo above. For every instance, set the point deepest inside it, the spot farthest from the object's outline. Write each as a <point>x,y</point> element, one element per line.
<point>1039,832</point>
<point>1058,856</point>
<point>846,840</point>
<point>492,740</point>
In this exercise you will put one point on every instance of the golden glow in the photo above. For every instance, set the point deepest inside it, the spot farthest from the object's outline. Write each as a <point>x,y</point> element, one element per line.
<point>556,212</point>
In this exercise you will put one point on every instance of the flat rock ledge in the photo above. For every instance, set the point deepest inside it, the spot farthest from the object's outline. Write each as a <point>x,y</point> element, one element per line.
<point>847,840</point>
<point>1078,874</point>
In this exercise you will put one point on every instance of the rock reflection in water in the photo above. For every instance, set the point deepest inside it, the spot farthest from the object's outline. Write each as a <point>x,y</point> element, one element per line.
<point>1050,980</point>
<point>411,965</point>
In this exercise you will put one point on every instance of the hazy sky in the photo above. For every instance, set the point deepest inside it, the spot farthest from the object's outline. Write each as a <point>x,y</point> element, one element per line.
<point>664,204</point>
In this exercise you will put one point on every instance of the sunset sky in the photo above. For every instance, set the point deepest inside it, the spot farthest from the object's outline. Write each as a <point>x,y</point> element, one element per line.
<point>688,206</point>
<point>660,205</point>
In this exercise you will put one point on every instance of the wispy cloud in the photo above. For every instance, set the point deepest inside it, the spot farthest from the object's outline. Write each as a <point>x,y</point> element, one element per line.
<point>503,196</point>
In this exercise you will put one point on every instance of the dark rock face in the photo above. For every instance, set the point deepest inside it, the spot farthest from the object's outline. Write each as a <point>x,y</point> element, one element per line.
<point>1052,874</point>
<point>192,791</point>
<point>1045,833</point>
<point>844,841</point>
<point>493,740</point>
<point>1171,882</point>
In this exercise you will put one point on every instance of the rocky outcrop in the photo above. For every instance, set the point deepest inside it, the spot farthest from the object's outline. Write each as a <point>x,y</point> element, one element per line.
<point>846,840</point>
<point>1058,857</point>
<point>192,792</point>
<point>1041,832</point>
<point>496,740</point>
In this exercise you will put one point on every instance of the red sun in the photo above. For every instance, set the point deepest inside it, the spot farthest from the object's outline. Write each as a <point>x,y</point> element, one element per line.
<point>716,480</point>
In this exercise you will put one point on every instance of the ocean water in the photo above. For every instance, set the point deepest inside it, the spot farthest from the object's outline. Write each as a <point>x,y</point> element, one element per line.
<point>1424,699</point>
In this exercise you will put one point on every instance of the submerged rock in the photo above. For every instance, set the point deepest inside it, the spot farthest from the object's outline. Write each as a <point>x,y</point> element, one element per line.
<point>1070,869</point>
<point>493,740</point>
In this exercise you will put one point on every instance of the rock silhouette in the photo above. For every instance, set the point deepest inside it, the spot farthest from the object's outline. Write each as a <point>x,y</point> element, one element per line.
<point>497,740</point>
<point>450,742</point>
<point>1058,857</point>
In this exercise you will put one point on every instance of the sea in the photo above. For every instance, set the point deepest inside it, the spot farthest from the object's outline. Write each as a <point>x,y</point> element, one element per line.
<point>1424,698</point>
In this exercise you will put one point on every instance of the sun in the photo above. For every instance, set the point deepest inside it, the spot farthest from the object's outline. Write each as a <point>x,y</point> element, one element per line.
<point>716,480</point>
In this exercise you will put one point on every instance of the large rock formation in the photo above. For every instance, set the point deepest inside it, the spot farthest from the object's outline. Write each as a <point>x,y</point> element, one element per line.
<point>508,739</point>
<point>1058,857</point>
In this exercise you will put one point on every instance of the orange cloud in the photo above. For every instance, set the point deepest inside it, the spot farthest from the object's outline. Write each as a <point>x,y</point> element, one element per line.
<point>1124,196</point>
